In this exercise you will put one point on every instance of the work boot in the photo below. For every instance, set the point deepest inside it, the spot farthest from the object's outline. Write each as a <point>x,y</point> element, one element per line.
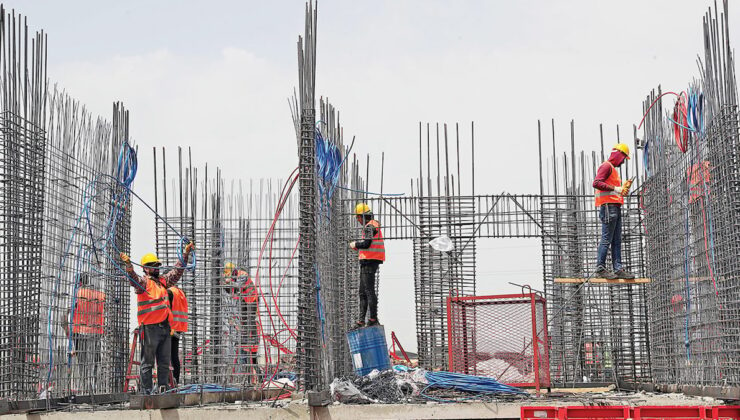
<point>603,273</point>
<point>371,322</point>
<point>622,274</point>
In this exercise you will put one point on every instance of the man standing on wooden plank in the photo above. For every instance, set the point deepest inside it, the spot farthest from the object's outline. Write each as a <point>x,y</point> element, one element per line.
<point>609,194</point>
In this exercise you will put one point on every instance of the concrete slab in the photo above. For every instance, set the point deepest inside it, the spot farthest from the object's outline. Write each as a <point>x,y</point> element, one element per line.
<point>300,410</point>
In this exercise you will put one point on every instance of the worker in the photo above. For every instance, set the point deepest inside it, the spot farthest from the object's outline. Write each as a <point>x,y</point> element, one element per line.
<point>87,321</point>
<point>371,254</point>
<point>179,308</point>
<point>154,315</point>
<point>609,194</point>
<point>245,296</point>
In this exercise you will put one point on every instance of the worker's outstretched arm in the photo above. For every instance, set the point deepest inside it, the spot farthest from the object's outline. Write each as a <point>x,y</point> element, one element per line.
<point>173,276</point>
<point>137,282</point>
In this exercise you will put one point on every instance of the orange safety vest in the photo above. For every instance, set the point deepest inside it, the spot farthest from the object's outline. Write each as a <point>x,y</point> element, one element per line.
<point>152,307</point>
<point>89,310</point>
<point>698,175</point>
<point>179,310</point>
<point>248,292</point>
<point>377,247</point>
<point>610,197</point>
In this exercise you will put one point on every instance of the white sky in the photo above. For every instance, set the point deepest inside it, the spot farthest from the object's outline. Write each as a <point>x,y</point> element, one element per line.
<point>215,76</point>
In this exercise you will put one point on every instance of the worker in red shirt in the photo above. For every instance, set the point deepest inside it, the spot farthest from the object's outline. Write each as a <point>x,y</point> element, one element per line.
<point>371,254</point>
<point>245,295</point>
<point>154,315</point>
<point>609,195</point>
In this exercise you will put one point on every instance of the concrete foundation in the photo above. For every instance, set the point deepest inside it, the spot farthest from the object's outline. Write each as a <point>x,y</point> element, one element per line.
<point>300,410</point>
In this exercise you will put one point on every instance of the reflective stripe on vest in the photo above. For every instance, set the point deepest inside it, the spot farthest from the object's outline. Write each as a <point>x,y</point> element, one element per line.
<point>377,246</point>
<point>609,197</point>
<point>179,309</point>
<point>152,304</point>
<point>88,313</point>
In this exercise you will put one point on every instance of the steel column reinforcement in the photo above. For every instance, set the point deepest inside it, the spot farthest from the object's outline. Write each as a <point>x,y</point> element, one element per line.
<point>690,200</point>
<point>64,309</point>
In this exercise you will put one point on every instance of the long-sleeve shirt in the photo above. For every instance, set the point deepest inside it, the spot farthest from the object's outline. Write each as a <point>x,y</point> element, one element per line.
<point>616,159</point>
<point>368,234</point>
<point>170,278</point>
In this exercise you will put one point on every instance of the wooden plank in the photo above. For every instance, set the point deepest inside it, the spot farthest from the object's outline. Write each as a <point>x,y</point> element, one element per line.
<point>571,280</point>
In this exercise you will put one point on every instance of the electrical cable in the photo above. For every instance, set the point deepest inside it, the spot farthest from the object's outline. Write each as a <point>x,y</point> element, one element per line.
<point>470,383</point>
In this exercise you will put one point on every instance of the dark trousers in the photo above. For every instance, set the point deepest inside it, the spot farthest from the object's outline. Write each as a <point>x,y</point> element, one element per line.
<point>175,356</point>
<point>368,298</point>
<point>611,236</point>
<point>88,359</point>
<point>156,344</point>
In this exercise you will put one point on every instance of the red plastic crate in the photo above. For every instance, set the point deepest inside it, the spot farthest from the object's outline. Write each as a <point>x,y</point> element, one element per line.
<point>665,412</point>
<point>576,413</point>
<point>671,412</point>
<point>539,413</point>
<point>592,413</point>
<point>728,412</point>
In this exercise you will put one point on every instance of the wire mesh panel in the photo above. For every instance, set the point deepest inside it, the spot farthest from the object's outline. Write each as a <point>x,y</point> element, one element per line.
<point>500,336</point>
<point>21,212</point>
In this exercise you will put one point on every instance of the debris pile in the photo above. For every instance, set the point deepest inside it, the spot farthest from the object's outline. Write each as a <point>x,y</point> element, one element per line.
<point>401,384</point>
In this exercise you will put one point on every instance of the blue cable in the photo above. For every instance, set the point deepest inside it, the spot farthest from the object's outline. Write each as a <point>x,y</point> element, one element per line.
<point>319,305</point>
<point>197,388</point>
<point>646,157</point>
<point>470,383</point>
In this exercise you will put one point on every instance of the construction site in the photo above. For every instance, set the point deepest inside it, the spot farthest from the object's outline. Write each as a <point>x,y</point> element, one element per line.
<point>270,287</point>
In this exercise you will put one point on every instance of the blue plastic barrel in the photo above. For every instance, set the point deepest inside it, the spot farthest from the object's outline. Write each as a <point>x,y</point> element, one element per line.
<point>368,349</point>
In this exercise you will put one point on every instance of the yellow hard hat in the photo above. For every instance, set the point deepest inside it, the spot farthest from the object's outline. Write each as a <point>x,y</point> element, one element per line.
<point>228,268</point>
<point>623,148</point>
<point>150,259</point>
<point>362,208</point>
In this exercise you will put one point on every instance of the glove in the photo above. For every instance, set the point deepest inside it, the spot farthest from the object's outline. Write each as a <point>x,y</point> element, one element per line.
<point>352,245</point>
<point>619,190</point>
<point>189,247</point>
<point>125,258</point>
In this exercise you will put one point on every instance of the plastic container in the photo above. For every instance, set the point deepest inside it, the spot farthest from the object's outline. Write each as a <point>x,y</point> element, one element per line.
<point>368,349</point>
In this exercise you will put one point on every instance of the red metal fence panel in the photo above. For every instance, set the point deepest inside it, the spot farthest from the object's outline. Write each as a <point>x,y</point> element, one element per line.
<point>500,336</point>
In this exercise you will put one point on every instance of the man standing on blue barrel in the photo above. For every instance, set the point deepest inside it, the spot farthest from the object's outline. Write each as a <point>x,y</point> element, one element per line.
<point>371,254</point>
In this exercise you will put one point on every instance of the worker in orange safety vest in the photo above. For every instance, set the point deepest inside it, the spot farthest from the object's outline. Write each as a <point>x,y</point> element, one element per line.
<point>179,308</point>
<point>87,327</point>
<point>154,315</point>
<point>245,295</point>
<point>371,254</point>
<point>609,193</point>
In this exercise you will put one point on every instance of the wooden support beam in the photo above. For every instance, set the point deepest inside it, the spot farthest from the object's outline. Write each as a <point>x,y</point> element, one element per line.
<point>572,280</point>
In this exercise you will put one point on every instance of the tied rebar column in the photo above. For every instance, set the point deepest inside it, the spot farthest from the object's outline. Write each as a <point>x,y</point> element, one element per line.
<point>308,331</point>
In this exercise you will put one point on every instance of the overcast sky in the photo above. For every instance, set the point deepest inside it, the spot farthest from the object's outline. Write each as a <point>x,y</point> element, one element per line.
<point>215,76</point>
